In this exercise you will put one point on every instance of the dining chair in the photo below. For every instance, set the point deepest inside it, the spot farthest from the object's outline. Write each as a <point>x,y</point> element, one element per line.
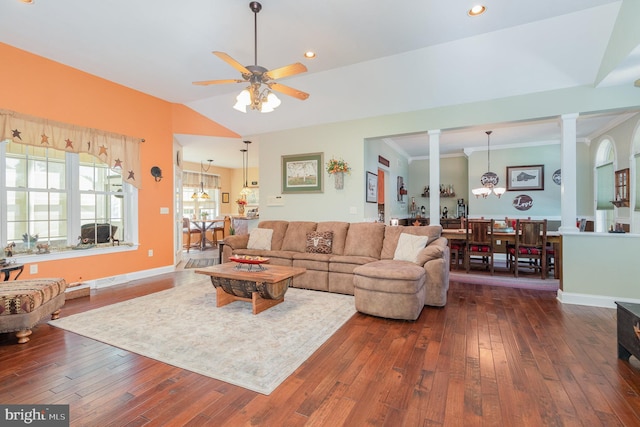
<point>216,232</point>
<point>480,244</point>
<point>456,246</point>
<point>187,233</point>
<point>530,246</point>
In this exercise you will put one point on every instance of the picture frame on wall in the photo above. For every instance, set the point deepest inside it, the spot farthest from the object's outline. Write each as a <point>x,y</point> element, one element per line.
<point>525,177</point>
<point>225,197</point>
<point>302,173</point>
<point>372,187</point>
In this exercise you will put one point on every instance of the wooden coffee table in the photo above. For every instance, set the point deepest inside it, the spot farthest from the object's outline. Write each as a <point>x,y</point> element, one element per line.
<point>262,288</point>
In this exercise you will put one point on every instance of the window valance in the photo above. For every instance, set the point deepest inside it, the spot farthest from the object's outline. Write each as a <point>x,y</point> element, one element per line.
<point>193,179</point>
<point>120,152</point>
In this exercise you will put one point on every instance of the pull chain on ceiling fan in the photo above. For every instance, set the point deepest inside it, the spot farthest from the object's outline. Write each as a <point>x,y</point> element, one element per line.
<point>255,96</point>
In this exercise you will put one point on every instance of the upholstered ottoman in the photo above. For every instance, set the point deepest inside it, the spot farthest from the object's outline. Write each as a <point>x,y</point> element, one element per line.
<point>390,288</point>
<point>23,303</point>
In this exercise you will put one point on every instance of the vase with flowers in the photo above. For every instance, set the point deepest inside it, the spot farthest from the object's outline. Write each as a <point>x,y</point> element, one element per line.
<point>337,168</point>
<point>241,204</point>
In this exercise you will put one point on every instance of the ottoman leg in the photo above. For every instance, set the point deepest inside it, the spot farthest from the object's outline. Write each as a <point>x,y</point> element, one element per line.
<point>23,336</point>
<point>55,314</point>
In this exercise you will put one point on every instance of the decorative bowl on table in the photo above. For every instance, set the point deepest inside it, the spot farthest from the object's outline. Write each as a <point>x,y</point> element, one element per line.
<point>247,259</point>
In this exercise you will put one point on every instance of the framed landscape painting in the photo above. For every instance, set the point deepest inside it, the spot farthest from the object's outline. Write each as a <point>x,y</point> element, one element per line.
<point>525,177</point>
<point>302,173</point>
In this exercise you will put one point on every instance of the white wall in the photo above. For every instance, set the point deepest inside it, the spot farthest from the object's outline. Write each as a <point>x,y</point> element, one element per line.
<point>347,140</point>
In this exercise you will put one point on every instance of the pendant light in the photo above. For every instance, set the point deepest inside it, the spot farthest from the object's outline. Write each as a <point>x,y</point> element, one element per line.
<point>245,169</point>
<point>489,180</point>
<point>202,194</point>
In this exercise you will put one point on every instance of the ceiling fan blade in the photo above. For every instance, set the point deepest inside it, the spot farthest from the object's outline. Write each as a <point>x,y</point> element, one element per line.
<point>286,71</point>
<point>218,82</point>
<point>289,91</point>
<point>229,60</point>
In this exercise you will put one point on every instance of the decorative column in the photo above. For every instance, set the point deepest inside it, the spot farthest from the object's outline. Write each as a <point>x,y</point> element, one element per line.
<point>434,176</point>
<point>568,199</point>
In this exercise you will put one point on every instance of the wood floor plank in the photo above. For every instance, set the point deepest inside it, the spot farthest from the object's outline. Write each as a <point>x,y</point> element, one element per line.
<point>492,356</point>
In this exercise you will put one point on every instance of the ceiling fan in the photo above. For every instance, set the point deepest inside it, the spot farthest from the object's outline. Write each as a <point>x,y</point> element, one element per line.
<point>254,96</point>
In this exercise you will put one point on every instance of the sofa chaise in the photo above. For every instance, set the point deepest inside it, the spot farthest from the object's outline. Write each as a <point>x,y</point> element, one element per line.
<point>393,271</point>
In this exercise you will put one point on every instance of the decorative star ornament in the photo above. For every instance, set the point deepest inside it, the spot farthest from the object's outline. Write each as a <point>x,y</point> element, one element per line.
<point>45,139</point>
<point>117,163</point>
<point>131,175</point>
<point>69,143</point>
<point>16,134</point>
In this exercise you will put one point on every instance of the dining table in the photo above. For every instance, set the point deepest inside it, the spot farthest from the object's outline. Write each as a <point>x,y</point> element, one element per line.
<point>205,225</point>
<point>553,237</point>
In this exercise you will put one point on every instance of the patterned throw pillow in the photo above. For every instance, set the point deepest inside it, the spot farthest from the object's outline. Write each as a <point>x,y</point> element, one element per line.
<point>319,242</point>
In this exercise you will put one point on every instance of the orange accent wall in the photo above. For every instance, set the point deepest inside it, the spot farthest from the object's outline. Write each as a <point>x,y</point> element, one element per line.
<point>188,121</point>
<point>34,85</point>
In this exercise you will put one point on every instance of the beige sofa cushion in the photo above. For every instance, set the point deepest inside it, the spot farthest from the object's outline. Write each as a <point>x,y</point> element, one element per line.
<point>339,230</point>
<point>295,239</point>
<point>409,246</point>
<point>279,229</point>
<point>365,239</point>
<point>392,234</point>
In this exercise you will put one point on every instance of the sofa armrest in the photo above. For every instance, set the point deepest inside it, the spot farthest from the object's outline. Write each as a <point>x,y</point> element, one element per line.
<point>237,241</point>
<point>435,250</point>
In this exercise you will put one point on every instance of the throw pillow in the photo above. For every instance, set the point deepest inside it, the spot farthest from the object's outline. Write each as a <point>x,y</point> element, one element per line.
<point>260,238</point>
<point>409,246</point>
<point>319,242</point>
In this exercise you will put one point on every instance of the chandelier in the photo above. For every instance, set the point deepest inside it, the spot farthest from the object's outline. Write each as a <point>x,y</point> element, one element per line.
<point>489,180</point>
<point>202,194</point>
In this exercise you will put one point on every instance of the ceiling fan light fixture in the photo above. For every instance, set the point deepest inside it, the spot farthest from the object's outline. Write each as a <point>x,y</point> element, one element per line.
<point>243,100</point>
<point>27,1</point>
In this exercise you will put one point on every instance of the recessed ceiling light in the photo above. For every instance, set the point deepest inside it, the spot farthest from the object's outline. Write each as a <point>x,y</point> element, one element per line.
<point>477,10</point>
<point>27,1</point>
<point>309,54</point>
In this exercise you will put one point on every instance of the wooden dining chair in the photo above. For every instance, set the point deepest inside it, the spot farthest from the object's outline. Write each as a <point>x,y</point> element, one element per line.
<point>216,233</point>
<point>480,243</point>
<point>187,233</point>
<point>456,246</point>
<point>530,248</point>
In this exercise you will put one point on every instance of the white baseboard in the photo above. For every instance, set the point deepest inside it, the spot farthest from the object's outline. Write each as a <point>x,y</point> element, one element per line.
<point>592,300</point>
<point>105,282</point>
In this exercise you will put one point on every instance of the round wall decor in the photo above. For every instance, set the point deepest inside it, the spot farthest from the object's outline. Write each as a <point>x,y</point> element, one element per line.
<point>557,177</point>
<point>522,202</point>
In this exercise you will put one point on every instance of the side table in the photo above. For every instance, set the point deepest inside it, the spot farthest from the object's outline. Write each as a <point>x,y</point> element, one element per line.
<point>628,330</point>
<point>7,269</point>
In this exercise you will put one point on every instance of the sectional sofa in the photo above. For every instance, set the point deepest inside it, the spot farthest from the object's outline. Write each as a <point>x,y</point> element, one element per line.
<point>393,271</point>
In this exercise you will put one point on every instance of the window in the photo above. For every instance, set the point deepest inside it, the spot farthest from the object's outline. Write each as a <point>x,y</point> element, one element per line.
<point>604,186</point>
<point>48,195</point>
<point>200,195</point>
<point>101,199</point>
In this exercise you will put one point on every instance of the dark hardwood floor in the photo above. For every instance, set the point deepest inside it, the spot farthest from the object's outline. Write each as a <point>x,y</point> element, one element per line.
<point>493,356</point>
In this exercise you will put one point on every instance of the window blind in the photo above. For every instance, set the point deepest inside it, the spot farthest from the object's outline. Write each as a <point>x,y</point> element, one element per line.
<point>605,183</point>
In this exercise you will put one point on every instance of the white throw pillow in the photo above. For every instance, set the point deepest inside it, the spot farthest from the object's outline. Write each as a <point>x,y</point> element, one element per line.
<point>409,246</point>
<point>260,238</point>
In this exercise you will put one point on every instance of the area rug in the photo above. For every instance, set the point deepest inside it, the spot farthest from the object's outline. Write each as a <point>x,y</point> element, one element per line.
<point>183,327</point>
<point>199,263</point>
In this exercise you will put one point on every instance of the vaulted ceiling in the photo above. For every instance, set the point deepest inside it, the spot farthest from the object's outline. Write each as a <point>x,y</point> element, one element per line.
<point>373,58</point>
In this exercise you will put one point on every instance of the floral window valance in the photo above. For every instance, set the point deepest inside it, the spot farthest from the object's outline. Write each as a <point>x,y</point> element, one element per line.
<point>120,152</point>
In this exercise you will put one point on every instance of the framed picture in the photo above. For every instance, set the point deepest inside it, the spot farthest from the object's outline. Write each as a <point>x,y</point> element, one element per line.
<point>302,173</point>
<point>372,187</point>
<point>225,197</point>
<point>525,177</point>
